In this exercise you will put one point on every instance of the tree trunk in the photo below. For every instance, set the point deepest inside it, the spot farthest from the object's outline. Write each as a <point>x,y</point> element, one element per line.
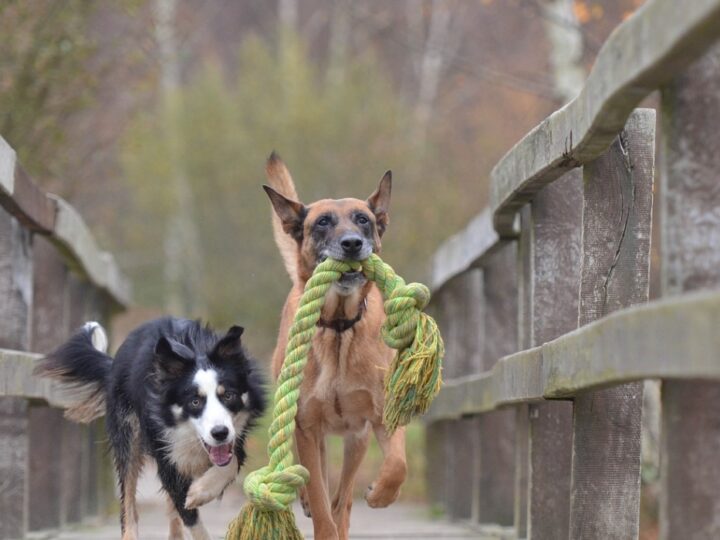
<point>566,48</point>
<point>183,269</point>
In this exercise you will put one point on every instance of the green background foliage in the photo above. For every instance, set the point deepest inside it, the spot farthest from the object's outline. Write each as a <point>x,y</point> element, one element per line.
<point>337,139</point>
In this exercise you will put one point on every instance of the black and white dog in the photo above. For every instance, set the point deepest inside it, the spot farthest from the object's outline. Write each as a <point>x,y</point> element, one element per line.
<point>177,392</point>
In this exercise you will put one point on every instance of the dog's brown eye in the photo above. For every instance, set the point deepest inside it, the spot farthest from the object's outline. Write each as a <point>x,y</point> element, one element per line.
<point>323,221</point>
<point>362,220</point>
<point>195,403</point>
<point>229,396</point>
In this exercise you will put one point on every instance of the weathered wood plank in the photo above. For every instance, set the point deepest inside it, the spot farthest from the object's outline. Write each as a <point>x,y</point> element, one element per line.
<point>13,467</point>
<point>644,53</point>
<point>464,250</point>
<point>617,218</point>
<point>460,315</point>
<point>495,487</point>
<point>45,427</point>
<point>437,477</point>
<point>20,196</point>
<point>690,445</point>
<point>17,379</point>
<point>15,283</point>
<point>556,221</point>
<point>52,216</point>
<point>49,329</point>
<point>524,337</point>
<point>73,238</point>
<point>642,342</point>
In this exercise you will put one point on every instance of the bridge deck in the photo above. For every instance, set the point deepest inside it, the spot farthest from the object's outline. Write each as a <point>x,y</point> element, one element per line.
<point>402,520</point>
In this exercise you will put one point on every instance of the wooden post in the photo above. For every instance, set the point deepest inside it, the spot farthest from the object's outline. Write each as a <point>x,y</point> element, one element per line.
<point>437,472</point>
<point>16,294</point>
<point>49,329</point>
<point>555,256</point>
<point>617,218</point>
<point>690,443</point>
<point>497,428</point>
<point>462,325</point>
<point>522,422</point>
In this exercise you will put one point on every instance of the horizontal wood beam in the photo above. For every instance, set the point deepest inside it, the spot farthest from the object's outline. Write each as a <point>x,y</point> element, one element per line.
<point>17,379</point>
<point>641,55</point>
<point>75,240</point>
<point>668,339</point>
<point>53,217</point>
<point>464,250</point>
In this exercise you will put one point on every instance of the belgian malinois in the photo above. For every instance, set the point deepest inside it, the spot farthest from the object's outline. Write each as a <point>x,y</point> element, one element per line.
<point>342,392</point>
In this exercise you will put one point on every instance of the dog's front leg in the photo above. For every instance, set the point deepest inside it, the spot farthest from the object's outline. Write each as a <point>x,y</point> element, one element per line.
<point>176,486</point>
<point>308,446</point>
<point>211,484</point>
<point>356,445</point>
<point>385,490</point>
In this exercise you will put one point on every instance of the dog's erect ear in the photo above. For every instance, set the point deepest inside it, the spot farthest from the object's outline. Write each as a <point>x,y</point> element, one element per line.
<point>230,344</point>
<point>172,357</point>
<point>379,202</point>
<point>291,213</point>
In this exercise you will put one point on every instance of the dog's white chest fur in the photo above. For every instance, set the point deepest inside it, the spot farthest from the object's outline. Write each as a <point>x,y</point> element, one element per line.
<point>186,450</point>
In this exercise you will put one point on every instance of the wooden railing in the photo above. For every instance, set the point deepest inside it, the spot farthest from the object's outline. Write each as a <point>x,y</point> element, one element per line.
<point>543,301</point>
<point>53,277</point>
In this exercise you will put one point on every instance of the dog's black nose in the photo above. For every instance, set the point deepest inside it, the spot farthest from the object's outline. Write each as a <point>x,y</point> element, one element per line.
<point>219,433</point>
<point>351,244</point>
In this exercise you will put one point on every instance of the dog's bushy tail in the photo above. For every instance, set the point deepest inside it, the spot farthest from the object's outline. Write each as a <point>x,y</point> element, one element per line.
<point>279,179</point>
<point>82,365</point>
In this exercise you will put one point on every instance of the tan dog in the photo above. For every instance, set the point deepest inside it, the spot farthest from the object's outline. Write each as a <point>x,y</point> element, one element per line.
<point>342,392</point>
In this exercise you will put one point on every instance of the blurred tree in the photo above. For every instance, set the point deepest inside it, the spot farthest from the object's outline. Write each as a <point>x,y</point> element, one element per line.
<point>181,249</point>
<point>337,139</point>
<point>42,76</point>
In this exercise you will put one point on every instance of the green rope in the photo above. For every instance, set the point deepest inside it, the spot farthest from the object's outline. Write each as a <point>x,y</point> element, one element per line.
<point>413,380</point>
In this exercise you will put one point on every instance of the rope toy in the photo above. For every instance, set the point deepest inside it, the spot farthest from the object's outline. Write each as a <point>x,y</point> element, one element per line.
<point>412,382</point>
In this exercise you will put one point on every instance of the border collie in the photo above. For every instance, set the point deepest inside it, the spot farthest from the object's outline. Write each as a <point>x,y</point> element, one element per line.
<point>176,392</point>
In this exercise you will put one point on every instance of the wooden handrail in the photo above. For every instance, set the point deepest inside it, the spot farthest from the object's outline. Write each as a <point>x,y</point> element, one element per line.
<point>53,217</point>
<point>642,342</point>
<point>640,56</point>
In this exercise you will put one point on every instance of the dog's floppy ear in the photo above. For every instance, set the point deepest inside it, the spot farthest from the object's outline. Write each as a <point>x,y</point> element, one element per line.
<point>172,357</point>
<point>291,213</point>
<point>230,344</point>
<point>379,202</point>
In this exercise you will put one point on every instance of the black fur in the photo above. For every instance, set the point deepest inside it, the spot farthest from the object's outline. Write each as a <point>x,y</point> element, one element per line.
<point>149,381</point>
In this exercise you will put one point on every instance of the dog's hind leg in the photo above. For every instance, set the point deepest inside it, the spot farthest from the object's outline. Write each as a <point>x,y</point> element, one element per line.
<point>386,488</point>
<point>125,442</point>
<point>355,447</point>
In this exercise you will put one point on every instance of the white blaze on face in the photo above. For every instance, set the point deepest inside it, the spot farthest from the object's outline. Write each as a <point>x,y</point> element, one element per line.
<point>214,413</point>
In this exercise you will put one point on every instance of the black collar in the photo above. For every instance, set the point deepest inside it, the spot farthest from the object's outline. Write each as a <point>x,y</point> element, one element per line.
<point>340,325</point>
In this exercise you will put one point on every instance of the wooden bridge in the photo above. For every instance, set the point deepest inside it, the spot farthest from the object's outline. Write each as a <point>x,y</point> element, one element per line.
<point>544,304</point>
<point>543,300</point>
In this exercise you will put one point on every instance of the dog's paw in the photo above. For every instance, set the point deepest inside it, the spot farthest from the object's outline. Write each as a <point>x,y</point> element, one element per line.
<point>199,494</point>
<point>380,496</point>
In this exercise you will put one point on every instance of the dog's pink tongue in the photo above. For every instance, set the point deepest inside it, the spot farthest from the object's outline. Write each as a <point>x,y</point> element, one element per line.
<point>221,455</point>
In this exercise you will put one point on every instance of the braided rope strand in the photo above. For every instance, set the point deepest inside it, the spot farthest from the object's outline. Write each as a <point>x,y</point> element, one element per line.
<point>413,380</point>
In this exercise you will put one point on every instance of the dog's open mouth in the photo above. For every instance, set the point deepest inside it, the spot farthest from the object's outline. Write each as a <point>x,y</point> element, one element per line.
<point>220,455</point>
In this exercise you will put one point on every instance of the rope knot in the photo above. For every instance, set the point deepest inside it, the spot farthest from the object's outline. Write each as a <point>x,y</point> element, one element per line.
<point>275,490</point>
<point>403,309</point>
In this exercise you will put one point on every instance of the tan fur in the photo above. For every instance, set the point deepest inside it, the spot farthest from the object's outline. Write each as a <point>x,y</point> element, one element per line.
<point>342,391</point>
<point>279,179</point>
